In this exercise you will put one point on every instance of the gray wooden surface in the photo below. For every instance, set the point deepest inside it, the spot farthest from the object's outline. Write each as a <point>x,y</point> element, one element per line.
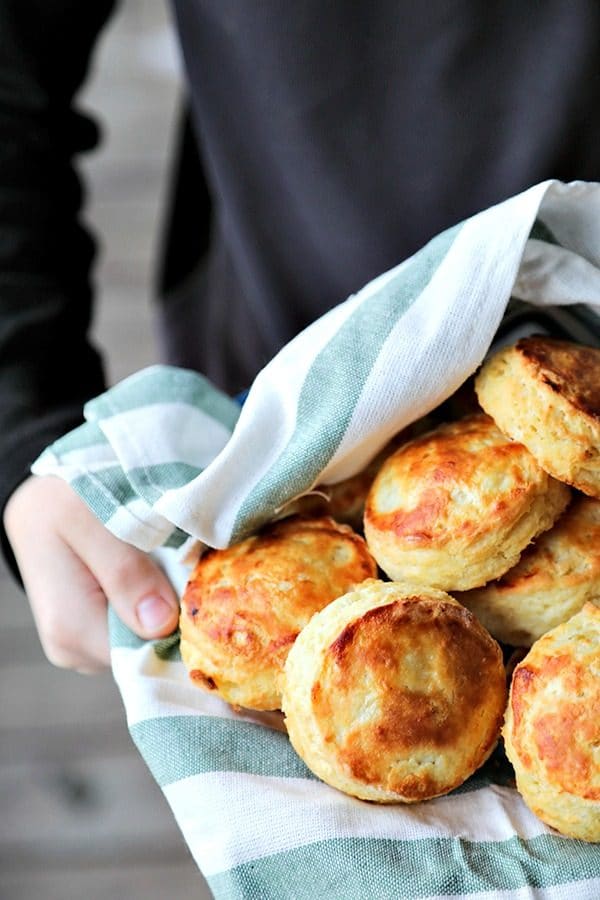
<point>81,815</point>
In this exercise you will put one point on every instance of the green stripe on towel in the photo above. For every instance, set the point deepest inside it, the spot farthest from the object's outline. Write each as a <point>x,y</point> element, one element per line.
<point>165,384</point>
<point>211,744</point>
<point>85,437</point>
<point>152,481</point>
<point>387,869</point>
<point>122,637</point>
<point>324,411</point>
<point>105,491</point>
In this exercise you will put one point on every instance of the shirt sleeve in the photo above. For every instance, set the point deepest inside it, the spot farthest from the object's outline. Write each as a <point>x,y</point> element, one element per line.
<point>48,368</point>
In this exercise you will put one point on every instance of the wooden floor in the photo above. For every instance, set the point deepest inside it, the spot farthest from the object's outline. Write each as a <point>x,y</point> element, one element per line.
<point>81,815</point>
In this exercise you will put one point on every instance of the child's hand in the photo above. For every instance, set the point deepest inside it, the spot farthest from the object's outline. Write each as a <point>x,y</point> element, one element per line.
<point>72,566</point>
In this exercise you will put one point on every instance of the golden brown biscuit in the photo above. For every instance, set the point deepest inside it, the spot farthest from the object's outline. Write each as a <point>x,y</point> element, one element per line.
<point>456,507</point>
<point>394,693</point>
<point>243,607</point>
<point>551,582</point>
<point>552,728</point>
<point>545,393</point>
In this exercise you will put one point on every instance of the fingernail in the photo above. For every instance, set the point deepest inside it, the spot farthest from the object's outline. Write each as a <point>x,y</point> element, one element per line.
<point>154,613</point>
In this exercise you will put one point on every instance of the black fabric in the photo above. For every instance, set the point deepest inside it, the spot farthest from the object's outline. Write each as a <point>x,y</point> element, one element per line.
<point>47,367</point>
<point>334,140</point>
<point>338,138</point>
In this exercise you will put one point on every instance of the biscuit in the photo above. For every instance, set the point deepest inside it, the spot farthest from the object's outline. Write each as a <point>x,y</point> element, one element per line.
<point>551,582</point>
<point>394,693</point>
<point>552,727</point>
<point>456,507</point>
<point>244,606</point>
<point>545,393</point>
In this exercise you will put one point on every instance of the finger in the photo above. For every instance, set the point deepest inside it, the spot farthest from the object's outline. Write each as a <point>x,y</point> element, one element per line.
<point>69,608</point>
<point>44,518</point>
<point>135,586</point>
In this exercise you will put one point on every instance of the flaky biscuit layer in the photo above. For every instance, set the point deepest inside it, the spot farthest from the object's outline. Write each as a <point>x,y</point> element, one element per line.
<point>551,582</point>
<point>545,393</point>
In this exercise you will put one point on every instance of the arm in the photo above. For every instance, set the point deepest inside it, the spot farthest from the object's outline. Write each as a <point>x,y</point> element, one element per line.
<point>48,367</point>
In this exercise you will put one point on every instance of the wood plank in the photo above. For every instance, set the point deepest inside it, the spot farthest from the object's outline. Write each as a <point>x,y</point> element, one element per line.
<point>94,810</point>
<point>64,743</point>
<point>19,644</point>
<point>14,607</point>
<point>127,231</point>
<point>126,312</point>
<point>176,880</point>
<point>48,697</point>
<point>127,179</point>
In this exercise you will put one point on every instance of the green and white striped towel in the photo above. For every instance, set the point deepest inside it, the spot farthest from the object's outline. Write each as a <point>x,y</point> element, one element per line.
<point>165,459</point>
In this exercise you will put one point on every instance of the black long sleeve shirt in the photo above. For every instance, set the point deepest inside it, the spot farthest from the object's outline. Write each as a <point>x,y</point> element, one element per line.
<point>334,140</point>
<point>47,366</point>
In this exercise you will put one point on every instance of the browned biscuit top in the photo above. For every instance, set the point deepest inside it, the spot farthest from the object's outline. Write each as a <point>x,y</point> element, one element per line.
<point>408,681</point>
<point>244,606</point>
<point>568,369</point>
<point>459,481</point>
<point>555,707</point>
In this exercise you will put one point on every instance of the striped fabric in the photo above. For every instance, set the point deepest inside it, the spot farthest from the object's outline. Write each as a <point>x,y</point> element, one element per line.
<point>166,461</point>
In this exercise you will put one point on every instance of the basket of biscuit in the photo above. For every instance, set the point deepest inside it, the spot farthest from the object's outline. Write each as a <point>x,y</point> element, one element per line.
<point>485,529</point>
<point>386,681</point>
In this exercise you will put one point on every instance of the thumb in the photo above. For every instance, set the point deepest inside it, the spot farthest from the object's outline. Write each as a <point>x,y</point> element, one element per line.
<point>132,582</point>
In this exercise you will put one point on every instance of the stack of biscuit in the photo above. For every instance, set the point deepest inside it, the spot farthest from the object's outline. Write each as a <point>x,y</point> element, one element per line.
<point>488,530</point>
